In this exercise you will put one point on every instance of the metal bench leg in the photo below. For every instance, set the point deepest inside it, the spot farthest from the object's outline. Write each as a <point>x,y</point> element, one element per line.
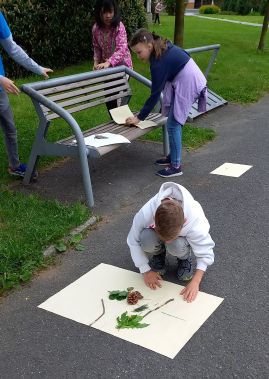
<point>166,149</point>
<point>31,165</point>
<point>35,152</point>
<point>86,178</point>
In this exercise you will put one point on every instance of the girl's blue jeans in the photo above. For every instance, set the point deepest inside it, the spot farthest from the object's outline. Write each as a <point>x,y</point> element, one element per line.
<point>174,130</point>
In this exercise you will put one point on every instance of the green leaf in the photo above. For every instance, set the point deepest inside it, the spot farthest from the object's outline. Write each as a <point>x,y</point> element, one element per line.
<point>75,239</point>
<point>117,295</point>
<point>141,309</point>
<point>130,322</point>
<point>80,247</point>
<point>60,247</point>
<point>129,289</point>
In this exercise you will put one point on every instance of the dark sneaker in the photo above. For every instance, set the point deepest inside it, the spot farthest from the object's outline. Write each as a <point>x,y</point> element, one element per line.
<point>184,269</point>
<point>169,172</point>
<point>163,161</point>
<point>20,171</point>
<point>157,263</point>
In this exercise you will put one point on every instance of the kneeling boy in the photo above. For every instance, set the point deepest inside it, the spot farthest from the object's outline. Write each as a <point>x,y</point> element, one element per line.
<point>171,222</point>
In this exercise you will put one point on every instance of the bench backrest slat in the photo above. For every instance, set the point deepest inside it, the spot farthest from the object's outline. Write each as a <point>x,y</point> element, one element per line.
<point>78,84</point>
<point>77,96</point>
<point>85,90</point>
<point>52,116</point>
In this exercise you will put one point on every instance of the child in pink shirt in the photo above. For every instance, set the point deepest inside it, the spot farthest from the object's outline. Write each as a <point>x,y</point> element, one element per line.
<point>109,39</point>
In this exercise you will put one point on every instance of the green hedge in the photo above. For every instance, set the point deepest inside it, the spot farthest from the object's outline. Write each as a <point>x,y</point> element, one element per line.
<point>170,6</point>
<point>209,9</point>
<point>57,33</point>
<point>244,7</point>
<point>133,15</point>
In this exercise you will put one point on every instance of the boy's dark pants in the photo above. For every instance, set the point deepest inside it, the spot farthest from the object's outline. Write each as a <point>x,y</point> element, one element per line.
<point>10,133</point>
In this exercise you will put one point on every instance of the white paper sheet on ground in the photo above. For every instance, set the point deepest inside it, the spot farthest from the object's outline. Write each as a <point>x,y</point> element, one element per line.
<point>231,169</point>
<point>104,139</point>
<point>170,326</point>
<point>120,114</point>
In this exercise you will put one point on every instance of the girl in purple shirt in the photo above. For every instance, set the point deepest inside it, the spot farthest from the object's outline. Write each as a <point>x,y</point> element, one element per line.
<point>174,73</point>
<point>109,38</point>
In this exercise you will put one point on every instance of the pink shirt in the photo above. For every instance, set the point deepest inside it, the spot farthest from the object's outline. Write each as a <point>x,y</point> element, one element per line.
<point>110,44</point>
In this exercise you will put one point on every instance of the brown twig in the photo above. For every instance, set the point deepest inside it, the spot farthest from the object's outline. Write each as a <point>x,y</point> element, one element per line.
<point>103,305</point>
<point>160,306</point>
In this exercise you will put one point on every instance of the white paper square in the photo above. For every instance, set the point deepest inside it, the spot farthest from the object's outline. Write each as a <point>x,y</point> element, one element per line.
<point>104,139</point>
<point>81,302</point>
<point>231,169</point>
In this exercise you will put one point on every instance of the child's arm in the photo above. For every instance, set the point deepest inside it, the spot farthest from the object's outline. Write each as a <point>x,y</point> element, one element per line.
<point>121,46</point>
<point>97,52</point>
<point>202,246</point>
<point>191,290</point>
<point>20,56</point>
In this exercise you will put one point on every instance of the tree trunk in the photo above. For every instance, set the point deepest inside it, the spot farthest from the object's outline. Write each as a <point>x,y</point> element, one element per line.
<point>264,27</point>
<point>179,23</point>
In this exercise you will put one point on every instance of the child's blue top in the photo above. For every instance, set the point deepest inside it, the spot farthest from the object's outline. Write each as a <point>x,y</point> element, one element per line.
<point>163,69</point>
<point>4,33</point>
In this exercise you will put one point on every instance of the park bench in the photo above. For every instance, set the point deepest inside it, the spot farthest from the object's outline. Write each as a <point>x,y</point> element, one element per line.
<point>59,98</point>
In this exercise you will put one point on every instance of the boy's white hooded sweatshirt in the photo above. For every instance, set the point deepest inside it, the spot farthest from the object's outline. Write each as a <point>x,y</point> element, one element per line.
<point>195,228</point>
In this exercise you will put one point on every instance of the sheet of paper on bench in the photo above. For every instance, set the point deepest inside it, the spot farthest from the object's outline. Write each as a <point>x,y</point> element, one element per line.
<point>120,114</point>
<point>108,139</point>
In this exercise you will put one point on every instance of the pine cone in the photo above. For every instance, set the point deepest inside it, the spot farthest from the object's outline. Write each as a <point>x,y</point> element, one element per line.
<point>133,297</point>
<point>138,294</point>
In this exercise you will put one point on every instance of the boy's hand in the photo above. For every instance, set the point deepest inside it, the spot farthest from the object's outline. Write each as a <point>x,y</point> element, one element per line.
<point>9,85</point>
<point>190,291</point>
<point>45,72</point>
<point>152,279</point>
<point>132,120</point>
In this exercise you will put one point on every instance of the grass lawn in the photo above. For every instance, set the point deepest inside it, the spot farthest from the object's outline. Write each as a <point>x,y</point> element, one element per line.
<point>28,224</point>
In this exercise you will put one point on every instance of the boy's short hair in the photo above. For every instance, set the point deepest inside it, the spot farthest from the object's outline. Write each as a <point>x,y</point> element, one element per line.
<point>169,220</point>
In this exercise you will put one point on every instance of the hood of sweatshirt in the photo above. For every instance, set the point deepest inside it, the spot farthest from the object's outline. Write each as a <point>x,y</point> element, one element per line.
<point>191,208</point>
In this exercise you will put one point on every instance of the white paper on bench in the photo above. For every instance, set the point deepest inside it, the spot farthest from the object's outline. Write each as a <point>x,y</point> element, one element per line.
<point>120,114</point>
<point>109,139</point>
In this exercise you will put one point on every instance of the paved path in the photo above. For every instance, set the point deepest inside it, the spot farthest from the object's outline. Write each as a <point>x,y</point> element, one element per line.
<point>227,20</point>
<point>233,343</point>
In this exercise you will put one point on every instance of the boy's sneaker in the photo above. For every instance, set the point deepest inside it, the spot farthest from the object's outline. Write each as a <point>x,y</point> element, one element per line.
<point>184,269</point>
<point>157,263</point>
<point>169,172</point>
<point>20,171</point>
<point>163,161</point>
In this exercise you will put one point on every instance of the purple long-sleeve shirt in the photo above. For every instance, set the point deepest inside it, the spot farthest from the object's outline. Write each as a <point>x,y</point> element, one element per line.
<point>163,69</point>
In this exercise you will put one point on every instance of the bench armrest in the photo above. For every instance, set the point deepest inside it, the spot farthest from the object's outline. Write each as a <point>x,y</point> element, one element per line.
<point>59,110</point>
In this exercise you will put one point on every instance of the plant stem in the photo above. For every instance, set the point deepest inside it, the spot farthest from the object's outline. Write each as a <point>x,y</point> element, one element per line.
<point>103,305</point>
<point>160,306</point>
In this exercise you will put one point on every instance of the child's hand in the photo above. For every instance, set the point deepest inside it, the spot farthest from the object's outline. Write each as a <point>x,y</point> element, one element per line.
<point>152,279</point>
<point>132,120</point>
<point>190,291</point>
<point>95,66</point>
<point>45,72</point>
<point>9,85</point>
<point>100,66</point>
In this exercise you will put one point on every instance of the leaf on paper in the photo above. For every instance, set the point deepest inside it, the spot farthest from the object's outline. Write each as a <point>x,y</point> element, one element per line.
<point>117,295</point>
<point>130,322</point>
<point>141,309</point>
